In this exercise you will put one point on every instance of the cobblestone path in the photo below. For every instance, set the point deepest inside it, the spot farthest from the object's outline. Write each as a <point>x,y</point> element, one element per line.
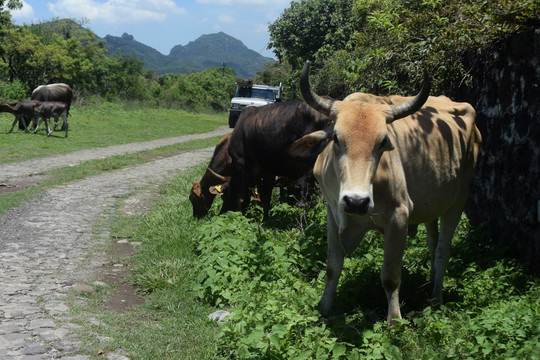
<point>45,246</point>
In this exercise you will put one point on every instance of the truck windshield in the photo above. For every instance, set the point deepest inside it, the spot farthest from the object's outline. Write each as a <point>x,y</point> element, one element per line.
<point>258,93</point>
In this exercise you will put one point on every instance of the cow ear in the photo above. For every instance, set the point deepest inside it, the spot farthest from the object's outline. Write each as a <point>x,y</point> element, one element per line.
<point>254,194</point>
<point>219,189</point>
<point>216,190</point>
<point>196,188</point>
<point>310,144</point>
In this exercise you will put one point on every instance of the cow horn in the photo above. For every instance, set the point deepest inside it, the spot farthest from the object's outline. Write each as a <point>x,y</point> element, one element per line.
<point>219,177</point>
<point>315,101</point>
<point>401,110</point>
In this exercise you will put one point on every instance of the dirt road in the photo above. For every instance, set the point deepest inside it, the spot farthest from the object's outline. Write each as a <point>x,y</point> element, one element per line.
<point>45,246</point>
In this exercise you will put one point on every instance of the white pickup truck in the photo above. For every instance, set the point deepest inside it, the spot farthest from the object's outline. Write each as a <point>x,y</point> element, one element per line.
<point>249,94</point>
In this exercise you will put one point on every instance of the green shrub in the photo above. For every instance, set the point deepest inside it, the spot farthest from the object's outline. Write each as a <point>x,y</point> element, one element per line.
<point>13,91</point>
<point>270,277</point>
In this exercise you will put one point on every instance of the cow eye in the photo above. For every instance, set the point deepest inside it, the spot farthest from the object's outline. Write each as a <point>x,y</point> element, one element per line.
<point>386,144</point>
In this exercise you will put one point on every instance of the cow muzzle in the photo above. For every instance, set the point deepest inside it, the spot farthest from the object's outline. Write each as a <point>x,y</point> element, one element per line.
<point>356,204</point>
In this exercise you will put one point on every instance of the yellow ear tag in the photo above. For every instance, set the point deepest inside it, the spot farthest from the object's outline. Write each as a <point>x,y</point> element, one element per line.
<point>218,188</point>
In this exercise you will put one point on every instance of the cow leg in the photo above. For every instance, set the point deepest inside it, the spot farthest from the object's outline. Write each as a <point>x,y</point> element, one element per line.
<point>13,125</point>
<point>25,125</point>
<point>395,235</point>
<point>267,187</point>
<point>55,123</point>
<point>334,265</point>
<point>449,222</point>
<point>40,120</point>
<point>339,245</point>
<point>66,125</point>
<point>34,122</point>
<point>238,185</point>
<point>49,131</point>
<point>432,239</point>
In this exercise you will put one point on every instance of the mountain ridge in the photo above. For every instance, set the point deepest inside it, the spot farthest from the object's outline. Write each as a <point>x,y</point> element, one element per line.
<point>206,51</point>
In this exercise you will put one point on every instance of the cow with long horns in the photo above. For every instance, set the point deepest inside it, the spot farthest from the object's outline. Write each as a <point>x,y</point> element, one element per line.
<point>393,162</point>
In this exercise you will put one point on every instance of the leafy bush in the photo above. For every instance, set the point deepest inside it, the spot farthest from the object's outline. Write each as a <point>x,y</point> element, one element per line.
<point>270,277</point>
<point>13,91</point>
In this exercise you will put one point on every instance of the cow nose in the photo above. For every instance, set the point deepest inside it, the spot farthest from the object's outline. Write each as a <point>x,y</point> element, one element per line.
<point>354,204</point>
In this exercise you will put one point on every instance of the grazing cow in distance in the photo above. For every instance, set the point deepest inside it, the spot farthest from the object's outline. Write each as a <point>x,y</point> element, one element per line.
<point>393,162</point>
<point>22,111</point>
<point>54,109</point>
<point>54,92</point>
<point>269,141</point>
<point>216,173</point>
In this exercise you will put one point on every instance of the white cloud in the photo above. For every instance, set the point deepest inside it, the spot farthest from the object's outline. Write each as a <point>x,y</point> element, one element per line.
<point>117,11</point>
<point>251,4</point>
<point>226,19</point>
<point>261,28</point>
<point>26,13</point>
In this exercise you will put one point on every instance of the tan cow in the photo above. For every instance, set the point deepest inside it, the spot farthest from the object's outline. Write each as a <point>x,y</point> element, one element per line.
<point>394,162</point>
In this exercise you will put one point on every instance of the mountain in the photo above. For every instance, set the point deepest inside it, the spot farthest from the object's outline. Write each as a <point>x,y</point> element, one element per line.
<point>128,46</point>
<point>208,50</point>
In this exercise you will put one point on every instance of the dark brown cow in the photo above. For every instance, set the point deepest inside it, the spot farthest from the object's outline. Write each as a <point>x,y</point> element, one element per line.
<point>54,109</point>
<point>22,110</point>
<point>269,141</point>
<point>218,170</point>
<point>393,162</point>
<point>54,92</point>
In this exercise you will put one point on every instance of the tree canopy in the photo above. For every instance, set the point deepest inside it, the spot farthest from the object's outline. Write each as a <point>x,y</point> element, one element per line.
<point>381,46</point>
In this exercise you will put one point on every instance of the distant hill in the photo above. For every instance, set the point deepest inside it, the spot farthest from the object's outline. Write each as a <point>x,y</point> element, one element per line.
<point>206,51</point>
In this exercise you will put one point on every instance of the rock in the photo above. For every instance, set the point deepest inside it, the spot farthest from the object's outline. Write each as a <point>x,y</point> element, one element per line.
<point>219,315</point>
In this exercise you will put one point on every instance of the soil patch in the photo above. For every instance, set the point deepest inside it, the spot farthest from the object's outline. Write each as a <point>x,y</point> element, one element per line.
<point>18,184</point>
<point>125,295</point>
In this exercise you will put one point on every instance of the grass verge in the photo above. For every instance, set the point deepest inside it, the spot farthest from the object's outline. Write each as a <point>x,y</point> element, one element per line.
<point>172,324</point>
<point>105,125</point>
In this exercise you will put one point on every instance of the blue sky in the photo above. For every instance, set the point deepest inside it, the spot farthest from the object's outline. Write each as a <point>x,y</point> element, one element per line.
<point>163,24</point>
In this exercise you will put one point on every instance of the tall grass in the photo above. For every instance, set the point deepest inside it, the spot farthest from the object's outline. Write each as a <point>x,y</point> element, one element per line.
<point>103,125</point>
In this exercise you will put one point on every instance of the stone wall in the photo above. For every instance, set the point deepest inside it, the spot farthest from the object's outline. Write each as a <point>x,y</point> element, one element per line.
<point>506,190</point>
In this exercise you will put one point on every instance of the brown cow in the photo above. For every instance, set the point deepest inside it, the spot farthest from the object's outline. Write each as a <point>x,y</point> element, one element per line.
<point>219,168</point>
<point>22,111</point>
<point>393,162</point>
<point>54,92</point>
<point>54,109</point>
<point>215,182</point>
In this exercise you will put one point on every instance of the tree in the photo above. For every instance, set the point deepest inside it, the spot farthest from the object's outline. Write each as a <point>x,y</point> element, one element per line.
<point>401,37</point>
<point>312,30</point>
<point>5,16</point>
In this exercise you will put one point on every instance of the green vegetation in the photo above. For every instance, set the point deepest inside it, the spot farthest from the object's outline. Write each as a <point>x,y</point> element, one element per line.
<point>270,277</point>
<point>381,46</point>
<point>102,125</point>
